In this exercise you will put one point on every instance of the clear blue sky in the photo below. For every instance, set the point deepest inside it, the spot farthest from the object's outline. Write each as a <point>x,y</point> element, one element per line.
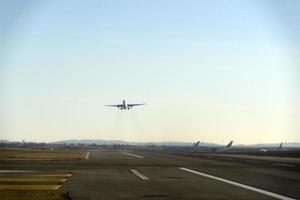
<point>208,70</point>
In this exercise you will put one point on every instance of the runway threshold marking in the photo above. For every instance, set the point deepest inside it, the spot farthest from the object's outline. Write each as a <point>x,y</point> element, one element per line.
<point>87,155</point>
<point>138,174</point>
<point>271,194</point>
<point>134,155</point>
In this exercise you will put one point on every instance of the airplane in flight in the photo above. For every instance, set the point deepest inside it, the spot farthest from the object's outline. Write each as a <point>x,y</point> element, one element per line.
<point>125,106</point>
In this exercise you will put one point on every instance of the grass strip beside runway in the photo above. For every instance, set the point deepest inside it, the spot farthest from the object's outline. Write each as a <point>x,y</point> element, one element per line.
<point>25,179</point>
<point>29,187</point>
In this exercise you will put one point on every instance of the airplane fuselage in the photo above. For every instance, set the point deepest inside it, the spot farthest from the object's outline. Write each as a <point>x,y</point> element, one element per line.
<point>124,106</point>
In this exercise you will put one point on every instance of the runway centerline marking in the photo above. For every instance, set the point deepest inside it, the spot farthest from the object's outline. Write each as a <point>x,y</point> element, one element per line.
<point>252,161</point>
<point>271,194</point>
<point>284,165</point>
<point>134,155</point>
<point>87,155</point>
<point>138,174</point>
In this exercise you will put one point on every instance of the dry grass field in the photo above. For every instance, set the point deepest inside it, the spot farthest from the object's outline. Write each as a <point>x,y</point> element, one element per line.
<point>34,185</point>
<point>29,195</point>
<point>44,185</point>
<point>41,154</point>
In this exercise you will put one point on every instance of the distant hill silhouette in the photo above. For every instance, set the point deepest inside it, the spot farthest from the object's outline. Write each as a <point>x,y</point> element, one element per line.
<point>166,143</point>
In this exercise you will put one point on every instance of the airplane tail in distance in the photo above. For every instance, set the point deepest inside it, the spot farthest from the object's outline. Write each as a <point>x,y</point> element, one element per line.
<point>280,146</point>
<point>196,144</point>
<point>229,144</point>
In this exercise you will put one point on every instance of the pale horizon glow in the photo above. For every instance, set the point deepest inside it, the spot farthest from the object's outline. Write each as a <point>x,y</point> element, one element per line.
<point>208,70</point>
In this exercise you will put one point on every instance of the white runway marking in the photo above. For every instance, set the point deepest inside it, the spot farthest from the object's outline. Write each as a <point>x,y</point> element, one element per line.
<point>285,165</point>
<point>138,174</point>
<point>87,155</point>
<point>271,194</point>
<point>134,155</point>
<point>252,161</point>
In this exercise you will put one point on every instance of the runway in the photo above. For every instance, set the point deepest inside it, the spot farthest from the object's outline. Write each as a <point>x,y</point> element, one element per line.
<point>109,174</point>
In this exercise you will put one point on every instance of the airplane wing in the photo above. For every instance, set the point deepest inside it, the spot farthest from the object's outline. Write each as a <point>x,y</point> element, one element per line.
<point>137,104</point>
<point>116,105</point>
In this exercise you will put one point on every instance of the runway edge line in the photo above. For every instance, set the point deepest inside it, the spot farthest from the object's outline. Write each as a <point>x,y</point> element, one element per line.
<point>271,194</point>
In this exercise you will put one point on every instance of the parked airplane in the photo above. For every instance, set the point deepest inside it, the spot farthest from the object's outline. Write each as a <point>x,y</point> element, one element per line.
<point>126,106</point>
<point>197,147</point>
<point>272,149</point>
<point>219,149</point>
<point>196,144</point>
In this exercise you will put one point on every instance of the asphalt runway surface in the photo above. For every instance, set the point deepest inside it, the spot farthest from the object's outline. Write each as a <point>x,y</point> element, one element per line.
<point>108,174</point>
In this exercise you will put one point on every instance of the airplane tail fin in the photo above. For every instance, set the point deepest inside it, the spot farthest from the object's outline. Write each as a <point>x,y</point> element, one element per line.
<point>280,146</point>
<point>229,144</point>
<point>196,144</point>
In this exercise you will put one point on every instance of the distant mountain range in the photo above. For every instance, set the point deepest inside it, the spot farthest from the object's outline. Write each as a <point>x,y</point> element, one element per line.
<point>167,143</point>
<point>120,142</point>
